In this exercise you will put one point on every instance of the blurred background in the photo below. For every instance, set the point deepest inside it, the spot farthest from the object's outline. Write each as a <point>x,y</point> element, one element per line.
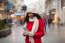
<point>13,12</point>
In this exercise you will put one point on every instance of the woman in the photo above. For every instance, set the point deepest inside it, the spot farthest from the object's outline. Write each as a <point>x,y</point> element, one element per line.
<point>57,20</point>
<point>45,22</point>
<point>35,28</point>
<point>49,21</point>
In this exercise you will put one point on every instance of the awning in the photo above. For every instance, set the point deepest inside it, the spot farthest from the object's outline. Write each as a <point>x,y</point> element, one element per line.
<point>19,14</point>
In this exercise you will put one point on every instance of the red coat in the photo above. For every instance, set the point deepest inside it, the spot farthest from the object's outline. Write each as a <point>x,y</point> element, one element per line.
<point>40,32</point>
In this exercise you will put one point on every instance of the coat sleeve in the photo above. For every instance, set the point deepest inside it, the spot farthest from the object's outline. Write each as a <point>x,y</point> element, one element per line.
<point>25,31</point>
<point>40,31</point>
<point>24,27</point>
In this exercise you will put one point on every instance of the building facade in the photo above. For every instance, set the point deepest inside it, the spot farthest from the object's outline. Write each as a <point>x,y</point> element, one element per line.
<point>63,9</point>
<point>56,6</point>
<point>2,8</point>
<point>18,4</point>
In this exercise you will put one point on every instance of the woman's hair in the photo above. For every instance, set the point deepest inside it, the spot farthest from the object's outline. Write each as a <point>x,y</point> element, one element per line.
<point>34,15</point>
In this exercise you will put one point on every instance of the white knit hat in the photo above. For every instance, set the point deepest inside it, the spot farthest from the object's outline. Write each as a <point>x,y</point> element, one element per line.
<point>32,10</point>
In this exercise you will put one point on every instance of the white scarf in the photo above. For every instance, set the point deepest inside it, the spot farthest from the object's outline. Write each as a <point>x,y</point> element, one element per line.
<point>34,28</point>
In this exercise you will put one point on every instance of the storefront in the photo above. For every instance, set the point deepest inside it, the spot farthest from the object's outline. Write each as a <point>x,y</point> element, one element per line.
<point>63,9</point>
<point>18,16</point>
<point>5,7</point>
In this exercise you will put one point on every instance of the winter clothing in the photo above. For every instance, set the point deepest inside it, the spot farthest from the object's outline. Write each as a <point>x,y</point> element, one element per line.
<point>35,29</point>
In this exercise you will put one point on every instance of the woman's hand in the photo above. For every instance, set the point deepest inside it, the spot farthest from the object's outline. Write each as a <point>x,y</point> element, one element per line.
<point>25,33</point>
<point>30,34</point>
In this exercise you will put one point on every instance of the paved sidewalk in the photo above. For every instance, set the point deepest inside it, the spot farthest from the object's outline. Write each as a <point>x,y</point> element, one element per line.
<point>53,35</point>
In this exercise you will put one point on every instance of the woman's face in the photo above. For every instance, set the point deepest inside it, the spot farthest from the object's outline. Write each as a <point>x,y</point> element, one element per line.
<point>30,15</point>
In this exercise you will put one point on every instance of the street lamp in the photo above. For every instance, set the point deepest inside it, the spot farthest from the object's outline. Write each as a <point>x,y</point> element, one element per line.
<point>24,8</point>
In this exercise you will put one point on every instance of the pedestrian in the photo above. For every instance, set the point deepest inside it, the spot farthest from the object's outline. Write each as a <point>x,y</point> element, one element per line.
<point>56,20</point>
<point>49,20</point>
<point>35,28</point>
<point>45,22</point>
